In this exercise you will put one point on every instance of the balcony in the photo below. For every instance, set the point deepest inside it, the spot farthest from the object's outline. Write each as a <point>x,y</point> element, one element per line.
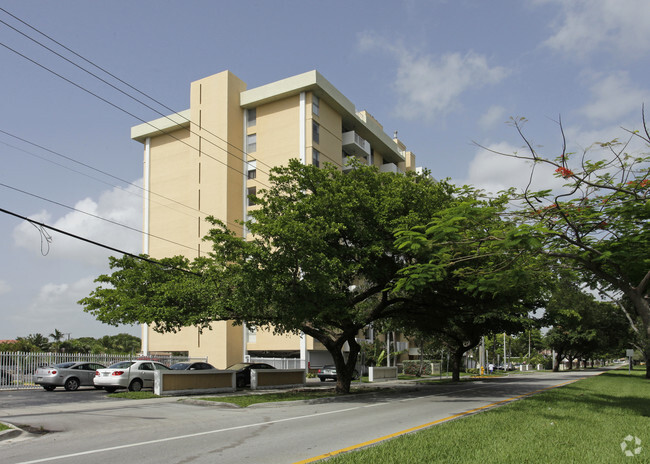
<point>353,144</point>
<point>388,167</point>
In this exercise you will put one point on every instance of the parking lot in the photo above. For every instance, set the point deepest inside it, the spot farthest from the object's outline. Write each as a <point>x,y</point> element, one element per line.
<point>29,398</point>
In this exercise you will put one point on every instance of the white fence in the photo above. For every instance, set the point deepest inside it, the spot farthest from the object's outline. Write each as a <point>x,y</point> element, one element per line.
<point>17,369</point>
<point>279,363</point>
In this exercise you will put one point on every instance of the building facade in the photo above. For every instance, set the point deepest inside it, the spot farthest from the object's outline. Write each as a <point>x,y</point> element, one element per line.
<point>206,161</point>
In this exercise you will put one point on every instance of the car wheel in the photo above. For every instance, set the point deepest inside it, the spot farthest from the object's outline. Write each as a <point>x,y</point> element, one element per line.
<point>110,389</point>
<point>49,387</point>
<point>71,384</point>
<point>136,385</point>
<point>98,388</point>
<point>322,379</point>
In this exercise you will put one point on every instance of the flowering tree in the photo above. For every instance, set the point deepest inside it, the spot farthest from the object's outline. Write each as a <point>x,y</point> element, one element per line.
<point>597,223</point>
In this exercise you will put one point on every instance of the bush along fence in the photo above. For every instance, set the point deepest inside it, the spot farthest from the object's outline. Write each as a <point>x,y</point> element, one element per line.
<point>17,368</point>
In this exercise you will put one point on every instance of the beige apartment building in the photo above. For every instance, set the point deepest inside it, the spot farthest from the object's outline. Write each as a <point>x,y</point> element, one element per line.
<point>206,161</point>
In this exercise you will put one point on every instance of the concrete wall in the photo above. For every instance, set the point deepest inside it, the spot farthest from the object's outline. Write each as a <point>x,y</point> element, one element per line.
<point>193,382</point>
<point>276,378</point>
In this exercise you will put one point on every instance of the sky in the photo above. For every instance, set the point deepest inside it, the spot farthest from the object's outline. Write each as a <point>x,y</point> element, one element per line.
<point>447,75</point>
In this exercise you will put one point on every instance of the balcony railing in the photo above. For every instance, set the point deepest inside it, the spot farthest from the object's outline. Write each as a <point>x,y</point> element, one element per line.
<point>355,145</point>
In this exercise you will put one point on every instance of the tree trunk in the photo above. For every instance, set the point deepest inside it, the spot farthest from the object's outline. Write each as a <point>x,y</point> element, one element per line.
<point>345,369</point>
<point>456,363</point>
<point>558,359</point>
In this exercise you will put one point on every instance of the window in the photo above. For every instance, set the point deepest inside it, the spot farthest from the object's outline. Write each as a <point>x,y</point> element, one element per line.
<point>315,104</point>
<point>251,191</point>
<point>315,157</point>
<point>315,131</point>
<point>251,169</point>
<point>251,143</point>
<point>251,117</point>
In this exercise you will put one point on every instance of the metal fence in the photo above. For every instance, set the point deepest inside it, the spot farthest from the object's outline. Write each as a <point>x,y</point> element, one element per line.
<point>17,368</point>
<point>279,363</point>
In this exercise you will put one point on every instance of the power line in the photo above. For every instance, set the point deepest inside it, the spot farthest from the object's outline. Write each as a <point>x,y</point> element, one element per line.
<point>119,90</point>
<point>94,215</point>
<point>93,242</point>
<point>99,171</point>
<point>114,77</point>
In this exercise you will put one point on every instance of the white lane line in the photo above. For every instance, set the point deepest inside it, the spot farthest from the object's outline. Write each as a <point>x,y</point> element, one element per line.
<point>182,437</point>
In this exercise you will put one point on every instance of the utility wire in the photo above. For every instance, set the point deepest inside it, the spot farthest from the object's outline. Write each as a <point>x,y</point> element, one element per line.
<point>120,90</point>
<point>108,73</point>
<point>92,242</point>
<point>93,215</point>
<point>101,172</point>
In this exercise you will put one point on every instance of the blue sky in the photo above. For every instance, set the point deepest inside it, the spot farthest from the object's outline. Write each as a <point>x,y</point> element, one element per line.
<point>444,74</point>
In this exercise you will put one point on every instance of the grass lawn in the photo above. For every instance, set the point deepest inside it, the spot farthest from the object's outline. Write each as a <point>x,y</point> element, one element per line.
<point>585,421</point>
<point>3,427</point>
<point>247,400</point>
<point>129,395</point>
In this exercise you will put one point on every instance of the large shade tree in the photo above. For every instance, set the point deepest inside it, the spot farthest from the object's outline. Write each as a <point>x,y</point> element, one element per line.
<point>320,259</point>
<point>471,273</point>
<point>597,224</point>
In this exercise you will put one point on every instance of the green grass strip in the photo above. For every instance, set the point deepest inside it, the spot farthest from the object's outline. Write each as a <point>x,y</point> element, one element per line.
<point>294,395</point>
<point>4,427</point>
<point>583,422</point>
<point>141,395</point>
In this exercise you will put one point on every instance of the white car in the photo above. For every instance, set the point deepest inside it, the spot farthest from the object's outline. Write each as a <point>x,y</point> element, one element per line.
<point>134,375</point>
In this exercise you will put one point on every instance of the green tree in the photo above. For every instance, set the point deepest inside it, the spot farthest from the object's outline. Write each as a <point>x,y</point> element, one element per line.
<point>597,223</point>
<point>581,326</point>
<point>470,273</point>
<point>321,261</point>
<point>35,342</point>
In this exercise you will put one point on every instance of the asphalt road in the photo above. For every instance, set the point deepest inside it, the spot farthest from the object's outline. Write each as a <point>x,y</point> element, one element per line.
<point>102,430</point>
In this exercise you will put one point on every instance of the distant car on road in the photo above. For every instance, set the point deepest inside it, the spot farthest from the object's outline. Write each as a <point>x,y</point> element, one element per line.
<point>69,375</point>
<point>133,375</point>
<point>191,366</point>
<point>243,375</point>
<point>329,373</point>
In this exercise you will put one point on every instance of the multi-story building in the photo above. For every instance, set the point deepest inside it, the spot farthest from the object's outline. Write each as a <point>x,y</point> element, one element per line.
<point>206,161</point>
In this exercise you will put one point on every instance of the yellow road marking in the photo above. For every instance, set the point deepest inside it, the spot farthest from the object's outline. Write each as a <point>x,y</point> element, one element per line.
<point>429,424</point>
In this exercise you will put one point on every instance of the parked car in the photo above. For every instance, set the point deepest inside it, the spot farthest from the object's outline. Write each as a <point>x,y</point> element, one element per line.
<point>69,375</point>
<point>243,376</point>
<point>191,366</point>
<point>329,373</point>
<point>133,375</point>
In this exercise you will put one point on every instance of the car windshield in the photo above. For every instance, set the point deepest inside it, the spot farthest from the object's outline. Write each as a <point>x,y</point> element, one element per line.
<point>121,365</point>
<point>238,366</point>
<point>179,366</point>
<point>160,367</point>
<point>65,365</point>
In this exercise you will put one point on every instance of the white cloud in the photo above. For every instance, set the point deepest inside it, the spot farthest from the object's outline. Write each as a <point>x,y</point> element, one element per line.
<point>587,26</point>
<point>492,172</point>
<point>4,287</point>
<point>492,117</point>
<point>119,206</point>
<point>614,97</point>
<point>429,86</point>
<point>55,306</point>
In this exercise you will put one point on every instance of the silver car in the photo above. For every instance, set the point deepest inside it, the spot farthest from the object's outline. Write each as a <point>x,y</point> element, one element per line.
<point>69,375</point>
<point>133,375</point>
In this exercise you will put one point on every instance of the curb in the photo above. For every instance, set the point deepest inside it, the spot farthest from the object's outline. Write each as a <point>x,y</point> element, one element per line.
<point>13,432</point>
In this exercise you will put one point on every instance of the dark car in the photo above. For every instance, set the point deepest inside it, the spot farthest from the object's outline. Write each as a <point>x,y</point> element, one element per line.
<point>329,373</point>
<point>244,372</point>
<point>191,366</point>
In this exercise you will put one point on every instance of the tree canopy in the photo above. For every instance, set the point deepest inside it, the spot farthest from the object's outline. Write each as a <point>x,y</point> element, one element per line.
<point>320,259</point>
<point>597,224</point>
